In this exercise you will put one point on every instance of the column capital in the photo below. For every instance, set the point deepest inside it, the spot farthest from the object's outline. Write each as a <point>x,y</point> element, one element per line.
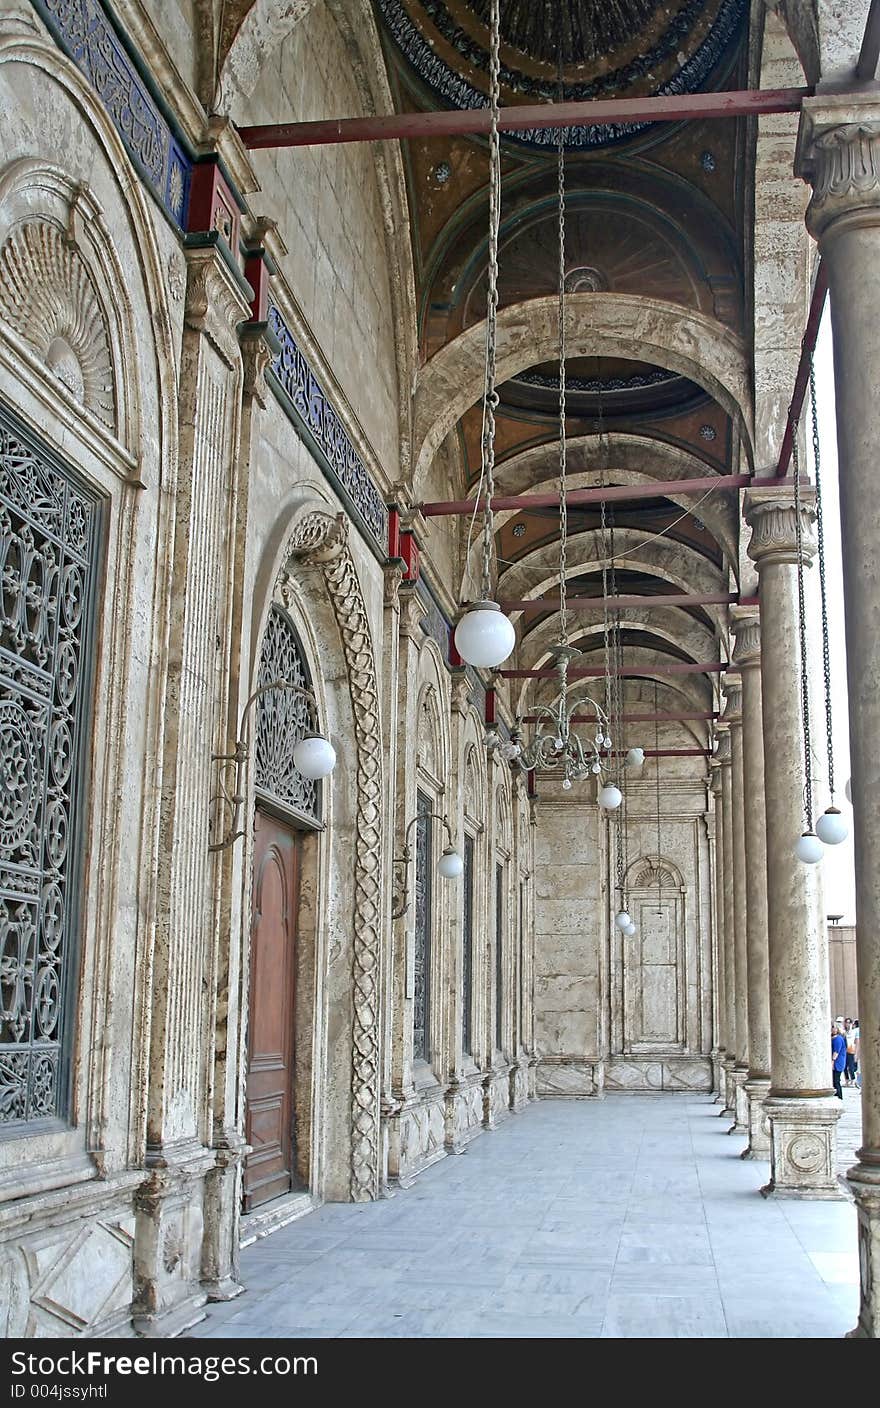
<point>722,742</point>
<point>747,638</point>
<point>715,775</point>
<point>215,301</point>
<point>732,691</point>
<point>771,514</point>
<point>838,153</point>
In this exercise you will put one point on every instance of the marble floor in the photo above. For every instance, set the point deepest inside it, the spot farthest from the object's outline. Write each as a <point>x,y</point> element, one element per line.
<point>629,1218</point>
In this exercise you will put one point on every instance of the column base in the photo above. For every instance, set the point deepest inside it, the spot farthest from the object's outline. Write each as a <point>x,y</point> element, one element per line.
<point>727,1108</point>
<point>740,1101</point>
<point>757,1089</point>
<point>717,1059</point>
<point>803,1147</point>
<point>864,1180</point>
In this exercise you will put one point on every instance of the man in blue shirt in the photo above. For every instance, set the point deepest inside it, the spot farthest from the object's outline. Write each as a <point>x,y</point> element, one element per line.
<point>838,1056</point>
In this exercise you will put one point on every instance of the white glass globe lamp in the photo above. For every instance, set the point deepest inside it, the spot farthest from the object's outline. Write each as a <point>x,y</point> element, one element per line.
<point>610,797</point>
<point>809,849</point>
<point>635,757</point>
<point>622,920</point>
<point>484,637</point>
<point>314,757</point>
<point>831,827</point>
<point>450,864</point>
<point>630,929</point>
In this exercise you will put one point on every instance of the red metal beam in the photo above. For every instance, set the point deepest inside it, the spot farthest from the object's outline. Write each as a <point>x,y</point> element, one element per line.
<point>595,672</point>
<point>609,493</point>
<point>617,603</point>
<point>601,112</point>
<point>639,718</point>
<point>808,344</point>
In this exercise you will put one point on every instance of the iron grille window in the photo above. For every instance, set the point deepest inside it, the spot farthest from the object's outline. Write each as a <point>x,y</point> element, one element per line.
<point>283,717</point>
<point>422,956</point>
<point>49,537</point>
<point>467,949</point>
<point>499,956</point>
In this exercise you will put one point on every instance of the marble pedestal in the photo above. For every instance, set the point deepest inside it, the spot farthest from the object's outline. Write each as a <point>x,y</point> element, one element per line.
<point>758,1124</point>
<point>803,1147</point>
<point>740,1075</point>
<point>864,1180</point>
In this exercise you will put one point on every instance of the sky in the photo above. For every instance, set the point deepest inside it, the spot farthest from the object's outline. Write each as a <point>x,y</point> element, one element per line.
<point>837,866</point>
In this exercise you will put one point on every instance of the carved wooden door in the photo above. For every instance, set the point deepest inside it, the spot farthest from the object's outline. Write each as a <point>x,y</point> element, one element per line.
<point>269,1169</point>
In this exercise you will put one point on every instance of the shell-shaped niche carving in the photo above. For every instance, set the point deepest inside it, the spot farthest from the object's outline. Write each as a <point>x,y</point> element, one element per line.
<point>48,298</point>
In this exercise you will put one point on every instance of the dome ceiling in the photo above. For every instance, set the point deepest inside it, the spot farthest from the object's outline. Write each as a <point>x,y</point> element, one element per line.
<point>622,47</point>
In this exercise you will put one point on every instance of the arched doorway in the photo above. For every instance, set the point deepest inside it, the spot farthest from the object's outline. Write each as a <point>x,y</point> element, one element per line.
<point>287,811</point>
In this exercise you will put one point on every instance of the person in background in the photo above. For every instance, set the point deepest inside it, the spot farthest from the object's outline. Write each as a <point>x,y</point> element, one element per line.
<point>858,1070</point>
<point>851,1036</point>
<point>838,1056</point>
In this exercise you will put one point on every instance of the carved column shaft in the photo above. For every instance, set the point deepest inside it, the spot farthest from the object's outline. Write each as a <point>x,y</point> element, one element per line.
<point>839,153</point>
<point>724,753</point>
<point>717,858</point>
<point>803,1118</point>
<point>733,712</point>
<point>747,655</point>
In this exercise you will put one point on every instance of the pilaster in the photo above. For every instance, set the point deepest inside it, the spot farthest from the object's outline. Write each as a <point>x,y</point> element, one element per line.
<point>170,1209</point>
<point>716,860</point>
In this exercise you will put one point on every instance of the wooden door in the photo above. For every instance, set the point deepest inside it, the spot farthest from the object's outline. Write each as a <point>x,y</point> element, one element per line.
<point>269,1169</point>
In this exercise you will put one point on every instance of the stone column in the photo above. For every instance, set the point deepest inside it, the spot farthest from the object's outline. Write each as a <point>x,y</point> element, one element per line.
<point>801,1105</point>
<point>839,152</point>
<point>747,654</point>
<point>733,713</point>
<point>726,871</point>
<point>715,830</point>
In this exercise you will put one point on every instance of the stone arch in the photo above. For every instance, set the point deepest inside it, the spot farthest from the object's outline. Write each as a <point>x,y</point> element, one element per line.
<point>249,32</point>
<point>63,146</point>
<point>319,540</point>
<point>621,458</point>
<point>474,775</point>
<point>601,324</point>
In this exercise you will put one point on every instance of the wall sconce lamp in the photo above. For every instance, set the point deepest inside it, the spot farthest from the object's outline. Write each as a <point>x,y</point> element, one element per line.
<point>449,866</point>
<point>313,756</point>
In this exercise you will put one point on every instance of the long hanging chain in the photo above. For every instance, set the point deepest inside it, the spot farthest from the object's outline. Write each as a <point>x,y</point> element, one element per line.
<point>820,534</point>
<point>802,631</point>
<point>490,400</point>
<point>657,781</point>
<point>563,501</point>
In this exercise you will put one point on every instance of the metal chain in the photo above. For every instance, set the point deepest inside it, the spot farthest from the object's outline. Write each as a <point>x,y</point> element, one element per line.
<point>802,630</point>
<point>490,400</point>
<point>563,502</point>
<point>657,775</point>
<point>820,534</point>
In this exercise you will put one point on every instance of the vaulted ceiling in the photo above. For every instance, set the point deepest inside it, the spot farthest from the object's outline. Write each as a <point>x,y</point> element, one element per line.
<point>654,210</point>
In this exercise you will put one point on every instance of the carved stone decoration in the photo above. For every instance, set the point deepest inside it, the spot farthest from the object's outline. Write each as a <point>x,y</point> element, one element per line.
<point>843,165</point>
<point>473,789</point>
<point>428,733</point>
<point>49,300</point>
<point>654,875</point>
<point>747,650</point>
<point>323,540</point>
<point>772,518</point>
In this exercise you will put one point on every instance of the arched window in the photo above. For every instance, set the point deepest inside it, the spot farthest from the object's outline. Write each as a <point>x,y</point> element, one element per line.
<point>49,537</point>
<point>283,717</point>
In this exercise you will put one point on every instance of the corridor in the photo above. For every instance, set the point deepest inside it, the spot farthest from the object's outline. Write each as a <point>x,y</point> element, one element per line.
<point>627,1218</point>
